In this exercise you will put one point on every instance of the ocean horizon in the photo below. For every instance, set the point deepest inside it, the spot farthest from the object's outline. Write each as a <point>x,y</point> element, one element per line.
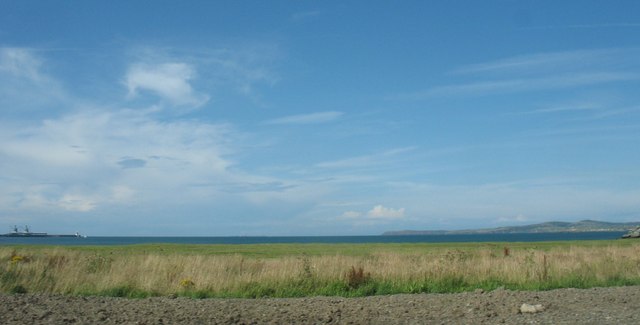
<point>239,240</point>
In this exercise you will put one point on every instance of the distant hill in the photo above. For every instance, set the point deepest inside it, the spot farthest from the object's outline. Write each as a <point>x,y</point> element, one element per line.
<point>553,226</point>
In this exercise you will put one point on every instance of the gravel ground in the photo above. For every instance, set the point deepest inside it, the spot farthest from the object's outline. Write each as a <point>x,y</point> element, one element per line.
<point>619,305</point>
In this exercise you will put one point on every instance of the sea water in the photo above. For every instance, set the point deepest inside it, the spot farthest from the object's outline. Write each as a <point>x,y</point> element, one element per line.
<point>525,237</point>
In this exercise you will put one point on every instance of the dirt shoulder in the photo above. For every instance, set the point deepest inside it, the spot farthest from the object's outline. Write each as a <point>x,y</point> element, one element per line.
<point>620,305</point>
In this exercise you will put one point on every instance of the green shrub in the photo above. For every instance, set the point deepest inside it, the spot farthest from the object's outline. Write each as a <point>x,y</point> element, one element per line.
<point>18,289</point>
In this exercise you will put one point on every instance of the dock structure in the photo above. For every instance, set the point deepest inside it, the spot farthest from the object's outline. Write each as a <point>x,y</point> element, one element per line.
<point>26,233</point>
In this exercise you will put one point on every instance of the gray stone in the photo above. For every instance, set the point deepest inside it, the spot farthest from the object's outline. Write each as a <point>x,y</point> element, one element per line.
<point>527,308</point>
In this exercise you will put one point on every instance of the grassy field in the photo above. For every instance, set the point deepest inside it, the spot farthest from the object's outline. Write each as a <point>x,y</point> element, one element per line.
<point>294,270</point>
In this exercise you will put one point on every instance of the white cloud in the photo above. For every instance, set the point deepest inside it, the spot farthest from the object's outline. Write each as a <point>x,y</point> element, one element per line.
<point>20,62</point>
<point>381,212</point>
<point>167,80</point>
<point>539,71</point>
<point>49,164</point>
<point>320,117</point>
<point>24,87</point>
<point>76,203</point>
<point>244,67</point>
<point>380,158</point>
<point>89,159</point>
<point>566,108</point>
<point>542,62</point>
<point>522,85</point>
<point>189,77</point>
<point>623,129</point>
<point>589,26</point>
<point>351,215</point>
<point>377,213</point>
<point>588,110</point>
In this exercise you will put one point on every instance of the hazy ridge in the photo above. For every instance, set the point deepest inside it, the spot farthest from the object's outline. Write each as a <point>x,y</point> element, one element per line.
<point>552,226</point>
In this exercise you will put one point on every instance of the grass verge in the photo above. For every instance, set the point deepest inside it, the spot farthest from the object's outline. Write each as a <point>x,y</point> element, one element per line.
<point>298,270</point>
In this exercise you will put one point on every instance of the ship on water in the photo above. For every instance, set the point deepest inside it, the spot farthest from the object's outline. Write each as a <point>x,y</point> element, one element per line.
<point>28,233</point>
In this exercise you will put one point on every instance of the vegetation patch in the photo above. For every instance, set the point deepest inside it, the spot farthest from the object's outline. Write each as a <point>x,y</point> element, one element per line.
<point>254,271</point>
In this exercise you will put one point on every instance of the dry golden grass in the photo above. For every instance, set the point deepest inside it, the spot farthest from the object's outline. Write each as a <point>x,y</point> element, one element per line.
<point>67,271</point>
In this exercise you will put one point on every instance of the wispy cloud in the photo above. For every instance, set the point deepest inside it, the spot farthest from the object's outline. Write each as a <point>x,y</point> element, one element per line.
<point>76,203</point>
<point>608,113</point>
<point>168,80</point>
<point>351,215</point>
<point>245,68</point>
<point>251,186</point>
<point>377,213</point>
<point>543,62</point>
<point>521,85</point>
<point>94,156</point>
<point>537,72</point>
<point>20,62</point>
<point>589,26</point>
<point>231,69</point>
<point>566,108</point>
<point>590,130</point>
<point>366,160</point>
<point>313,118</point>
<point>85,159</point>
<point>23,84</point>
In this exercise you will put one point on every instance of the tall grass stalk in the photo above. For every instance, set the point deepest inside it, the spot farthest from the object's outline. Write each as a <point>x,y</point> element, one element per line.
<point>147,272</point>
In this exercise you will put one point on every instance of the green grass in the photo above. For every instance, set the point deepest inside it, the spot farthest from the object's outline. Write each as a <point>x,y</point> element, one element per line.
<point>300,270</point>
<point>376,287</point>
<point>313,249</point>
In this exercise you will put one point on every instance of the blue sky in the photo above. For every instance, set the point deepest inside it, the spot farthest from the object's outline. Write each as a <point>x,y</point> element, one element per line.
<point>221,118</point>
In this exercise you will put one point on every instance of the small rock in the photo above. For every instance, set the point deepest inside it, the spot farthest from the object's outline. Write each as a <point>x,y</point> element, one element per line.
<point>526,308</point>
<point>45,315</point>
